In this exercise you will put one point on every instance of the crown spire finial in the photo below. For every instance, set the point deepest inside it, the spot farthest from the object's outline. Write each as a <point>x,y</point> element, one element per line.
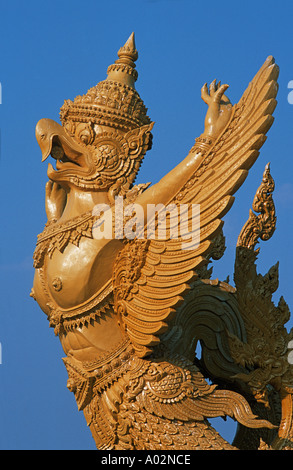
<point>124,68</point>
<point>113,102</point>
<point>128,52</point>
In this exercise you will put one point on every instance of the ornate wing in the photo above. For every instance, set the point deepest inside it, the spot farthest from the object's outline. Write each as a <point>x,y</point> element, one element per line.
<point>151,276</point>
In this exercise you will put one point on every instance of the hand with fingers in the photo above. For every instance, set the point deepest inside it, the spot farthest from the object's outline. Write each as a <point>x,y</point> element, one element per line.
<point>219,109</point>
<point>55,200</point>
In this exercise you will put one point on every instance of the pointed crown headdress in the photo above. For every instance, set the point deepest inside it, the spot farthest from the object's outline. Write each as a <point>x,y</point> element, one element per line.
<point>113,102</point>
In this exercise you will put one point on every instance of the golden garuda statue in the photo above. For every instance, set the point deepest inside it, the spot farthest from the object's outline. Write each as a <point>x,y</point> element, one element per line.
<point>121,271</point>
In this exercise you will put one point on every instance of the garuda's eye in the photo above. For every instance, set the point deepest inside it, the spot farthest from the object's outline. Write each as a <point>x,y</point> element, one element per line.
<point>84,133</point>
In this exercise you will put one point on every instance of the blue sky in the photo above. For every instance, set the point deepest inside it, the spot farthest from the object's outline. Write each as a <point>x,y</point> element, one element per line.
<point>52,51</point>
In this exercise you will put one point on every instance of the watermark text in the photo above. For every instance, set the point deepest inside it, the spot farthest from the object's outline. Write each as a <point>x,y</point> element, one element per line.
<point>290,95</point>
<point>154,222</point>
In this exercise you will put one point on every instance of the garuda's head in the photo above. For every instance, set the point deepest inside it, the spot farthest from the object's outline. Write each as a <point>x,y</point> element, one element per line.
<point>104,134</point>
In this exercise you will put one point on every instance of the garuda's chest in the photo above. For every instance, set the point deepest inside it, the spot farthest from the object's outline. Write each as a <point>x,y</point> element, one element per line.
<point>72,265</point>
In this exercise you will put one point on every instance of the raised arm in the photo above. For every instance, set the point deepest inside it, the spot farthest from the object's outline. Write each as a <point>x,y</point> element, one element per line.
<point>217,117</point>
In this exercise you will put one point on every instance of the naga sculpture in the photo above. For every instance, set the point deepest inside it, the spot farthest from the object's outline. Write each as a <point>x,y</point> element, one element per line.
<point>131,308</point>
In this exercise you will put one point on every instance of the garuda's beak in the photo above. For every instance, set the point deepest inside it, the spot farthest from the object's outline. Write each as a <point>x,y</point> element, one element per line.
<point>48,133</point>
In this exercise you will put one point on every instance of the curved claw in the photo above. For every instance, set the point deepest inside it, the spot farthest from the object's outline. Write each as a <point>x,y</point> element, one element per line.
<point>220,92</point>
<point>213,87</point>
<point>205,94</point>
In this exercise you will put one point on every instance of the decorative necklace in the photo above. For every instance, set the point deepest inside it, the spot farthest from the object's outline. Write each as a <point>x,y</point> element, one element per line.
<point>57,235</point>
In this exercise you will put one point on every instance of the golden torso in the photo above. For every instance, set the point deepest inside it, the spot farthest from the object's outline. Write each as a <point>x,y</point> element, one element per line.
<point>79,272</point>
<point>71,278</point>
